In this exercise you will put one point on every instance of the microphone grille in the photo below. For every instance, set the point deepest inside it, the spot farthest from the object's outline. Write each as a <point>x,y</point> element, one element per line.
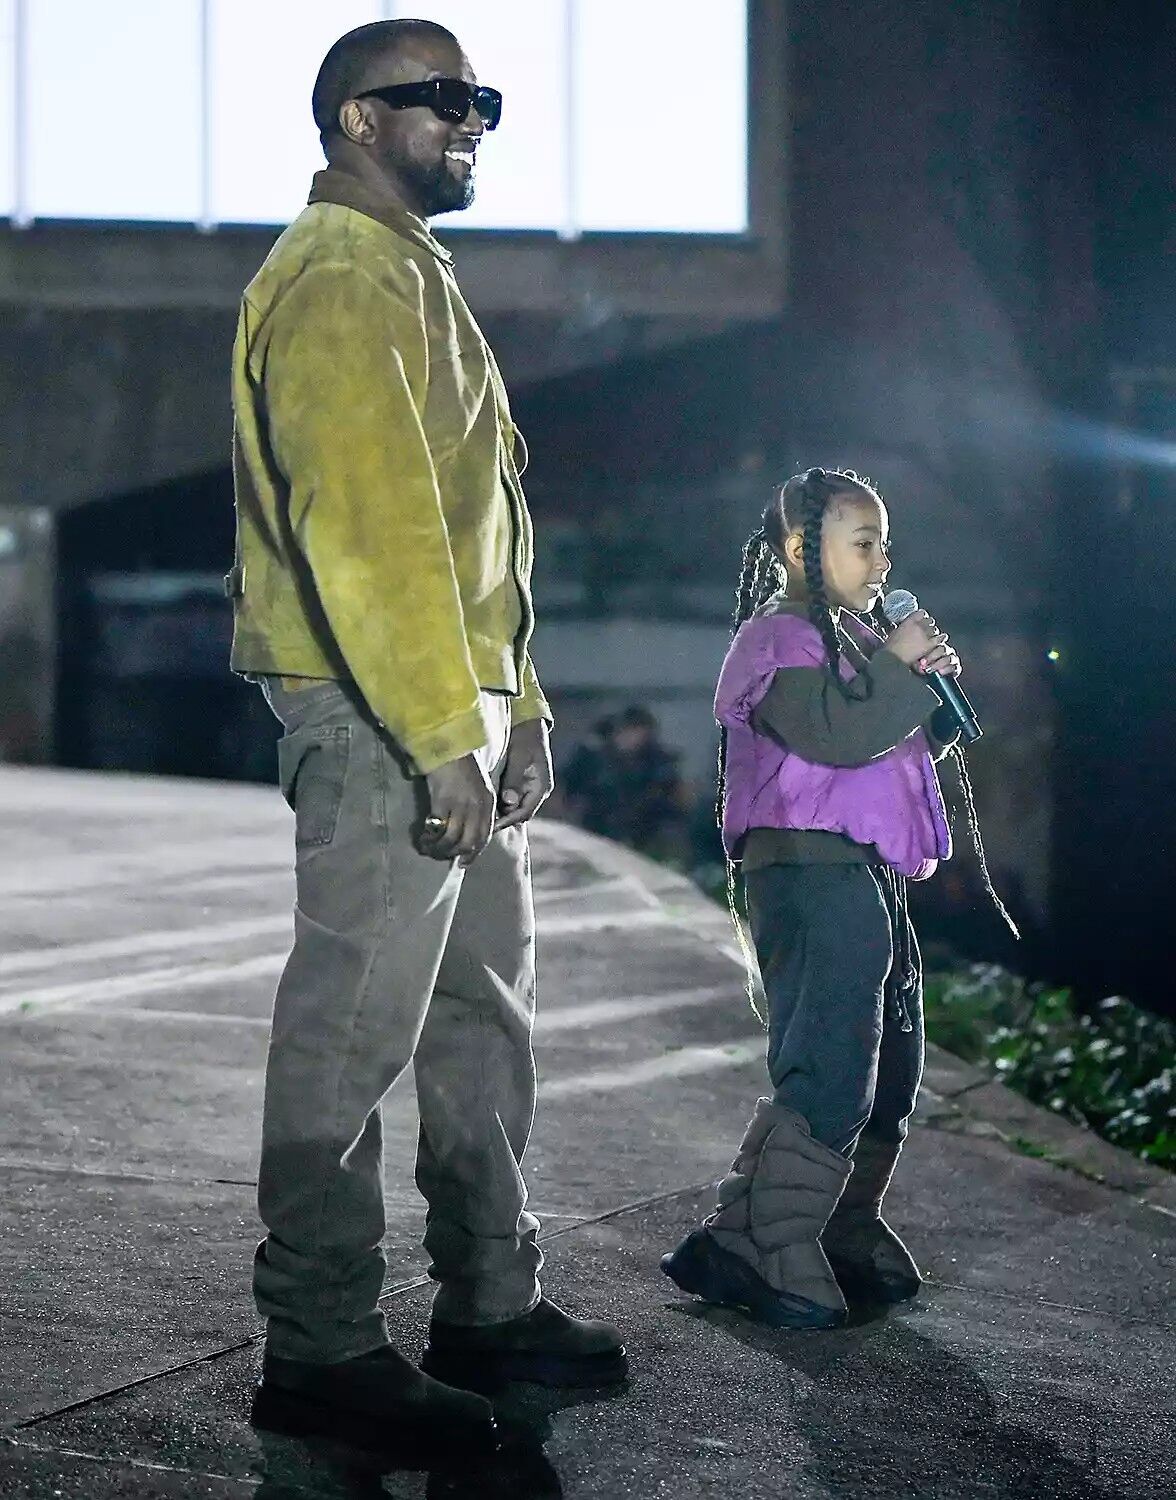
<point>898,604</point>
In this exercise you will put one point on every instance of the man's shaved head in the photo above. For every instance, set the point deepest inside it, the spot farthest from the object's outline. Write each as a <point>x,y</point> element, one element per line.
<point>346,66</point>
<point>409,152</point>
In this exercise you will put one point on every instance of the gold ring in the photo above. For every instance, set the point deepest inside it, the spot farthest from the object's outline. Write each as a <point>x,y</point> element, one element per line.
<point>436,822</point>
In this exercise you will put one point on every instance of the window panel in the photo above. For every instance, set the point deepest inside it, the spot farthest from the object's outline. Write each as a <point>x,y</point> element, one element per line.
<point>660,117</point>
<point>517,46</point>
<point>115,94</point>
<point>113,113</point>
<point>8,130</point>
<point>265,55</point>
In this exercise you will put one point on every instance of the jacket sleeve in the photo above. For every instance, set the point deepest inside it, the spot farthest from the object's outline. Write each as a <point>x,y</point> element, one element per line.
<point>530,704</point>
<point>941,727</point>
<point>746,674</point>
<point>943,730</point>
<point>344,375</point>
<point>803,709</point>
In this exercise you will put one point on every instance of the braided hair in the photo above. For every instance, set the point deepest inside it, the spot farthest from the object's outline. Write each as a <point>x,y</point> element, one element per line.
<point>760,576</point>
<point>955,754</point>
<point>961,769</point>
<point>801,505</point>
<point>798,505</point>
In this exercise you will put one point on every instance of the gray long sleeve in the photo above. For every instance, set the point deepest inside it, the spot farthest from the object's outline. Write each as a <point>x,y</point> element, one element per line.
<point>804,710</point>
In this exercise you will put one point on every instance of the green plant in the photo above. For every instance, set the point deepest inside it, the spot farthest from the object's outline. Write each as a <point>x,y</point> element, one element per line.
<point>1112,1069</point>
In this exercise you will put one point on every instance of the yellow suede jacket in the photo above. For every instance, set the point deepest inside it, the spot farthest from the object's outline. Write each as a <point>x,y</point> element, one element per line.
<point>382,534</point>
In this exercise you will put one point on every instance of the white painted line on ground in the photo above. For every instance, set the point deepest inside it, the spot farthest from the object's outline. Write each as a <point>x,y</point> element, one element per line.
<point>185,1017</point>
<point>16,999</point>
<point>599,921</point>
<point>88,992</point>
<point>677,1064</point>
<point>568,1018</point>
<point>680,1063</point>
<point>33,873</point>
<point>131,945</point>
<point>604,1012</point>
<point>571,895</point>
<point>276,878</point>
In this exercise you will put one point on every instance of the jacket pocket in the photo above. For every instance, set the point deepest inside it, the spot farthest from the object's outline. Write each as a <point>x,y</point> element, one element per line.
<point>312,771</point>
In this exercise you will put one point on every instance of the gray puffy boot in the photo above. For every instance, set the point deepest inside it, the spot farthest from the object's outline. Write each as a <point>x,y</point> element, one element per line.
<point>760,1250</point>
<point>868,1258</point>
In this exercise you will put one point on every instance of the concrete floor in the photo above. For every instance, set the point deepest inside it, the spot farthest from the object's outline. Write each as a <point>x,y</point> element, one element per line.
<point>144,926</point>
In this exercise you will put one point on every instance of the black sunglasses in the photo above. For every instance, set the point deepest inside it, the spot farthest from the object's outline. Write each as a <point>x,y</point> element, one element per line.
<point>448,98</point>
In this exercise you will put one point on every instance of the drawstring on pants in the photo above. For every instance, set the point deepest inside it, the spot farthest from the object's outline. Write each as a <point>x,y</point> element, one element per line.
<point>904,978</point>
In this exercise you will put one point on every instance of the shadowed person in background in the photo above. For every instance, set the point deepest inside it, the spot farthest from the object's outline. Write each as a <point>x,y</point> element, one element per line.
<point>625,784</point>
<point>381,596</point>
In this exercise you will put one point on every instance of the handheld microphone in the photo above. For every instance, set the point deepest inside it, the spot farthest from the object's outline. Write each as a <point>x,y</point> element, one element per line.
<point>897,606</point>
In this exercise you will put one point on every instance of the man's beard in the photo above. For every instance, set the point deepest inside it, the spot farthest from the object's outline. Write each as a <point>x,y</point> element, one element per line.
<point>440,190</point>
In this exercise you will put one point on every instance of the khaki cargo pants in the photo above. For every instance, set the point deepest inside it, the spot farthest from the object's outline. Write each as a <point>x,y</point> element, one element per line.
<point>397,959</point>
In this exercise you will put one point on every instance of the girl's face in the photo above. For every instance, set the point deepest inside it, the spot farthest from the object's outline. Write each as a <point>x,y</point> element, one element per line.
<point>855,551</point>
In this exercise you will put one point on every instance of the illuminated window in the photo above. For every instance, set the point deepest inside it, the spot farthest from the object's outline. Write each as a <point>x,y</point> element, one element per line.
<point>8,119</point>
<point>264,56</point>
<point>113,109</point>
<point>620,115</point>
<point>660,119</point>
<point>517,46</point>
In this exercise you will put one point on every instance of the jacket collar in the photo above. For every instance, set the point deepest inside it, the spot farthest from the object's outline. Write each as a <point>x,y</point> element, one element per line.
<point>335,186</point>
<point>858,633</point>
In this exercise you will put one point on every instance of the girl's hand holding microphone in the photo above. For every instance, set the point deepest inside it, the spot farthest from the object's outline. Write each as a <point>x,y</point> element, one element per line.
<point>920,643</point>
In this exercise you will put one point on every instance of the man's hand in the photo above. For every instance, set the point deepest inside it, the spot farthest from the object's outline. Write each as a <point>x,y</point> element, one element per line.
<point>461,811</point>
<point>527,777</point>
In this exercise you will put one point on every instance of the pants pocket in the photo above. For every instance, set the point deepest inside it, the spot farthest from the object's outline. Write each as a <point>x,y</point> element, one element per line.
<point>312,771</point>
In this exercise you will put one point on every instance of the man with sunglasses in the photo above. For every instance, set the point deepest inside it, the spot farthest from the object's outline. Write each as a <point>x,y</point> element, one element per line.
<point>381,597</point>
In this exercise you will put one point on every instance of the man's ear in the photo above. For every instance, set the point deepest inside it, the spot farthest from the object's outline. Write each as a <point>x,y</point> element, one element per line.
<point>794,550</point>
<point>357,122</point>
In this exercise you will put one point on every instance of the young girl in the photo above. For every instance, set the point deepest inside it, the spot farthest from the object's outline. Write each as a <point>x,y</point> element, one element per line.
<point>830,801</point>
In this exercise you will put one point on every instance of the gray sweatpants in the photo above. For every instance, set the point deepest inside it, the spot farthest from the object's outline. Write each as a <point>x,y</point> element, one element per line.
<point>397,958</point>
<point>837,1053</point>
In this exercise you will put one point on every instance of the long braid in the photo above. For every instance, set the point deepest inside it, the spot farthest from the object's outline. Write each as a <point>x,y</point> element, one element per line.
<point>959,762</point>
<point>757,577</point>
<point>747,600</point>
<point>815,501</point>
<point>800,505</point>
<point>961,769</point>
<point>803,504</point>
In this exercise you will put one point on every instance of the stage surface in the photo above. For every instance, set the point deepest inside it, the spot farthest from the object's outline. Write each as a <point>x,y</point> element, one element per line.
<point>143,925</point>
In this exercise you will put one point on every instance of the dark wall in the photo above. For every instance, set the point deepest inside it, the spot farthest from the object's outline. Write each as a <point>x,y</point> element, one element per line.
<point>144,630</point>
<point>96,401</point>
<point>943,314</point>
<point>1120,60</point>
<point>1115,866</point>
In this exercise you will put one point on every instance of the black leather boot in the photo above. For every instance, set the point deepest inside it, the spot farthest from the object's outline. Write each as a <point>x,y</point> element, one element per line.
<point>378,1400</point>
<point>544,1345</point>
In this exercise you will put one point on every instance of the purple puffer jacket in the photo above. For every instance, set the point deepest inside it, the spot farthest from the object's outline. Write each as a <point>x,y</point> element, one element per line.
<point>893,803</point>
